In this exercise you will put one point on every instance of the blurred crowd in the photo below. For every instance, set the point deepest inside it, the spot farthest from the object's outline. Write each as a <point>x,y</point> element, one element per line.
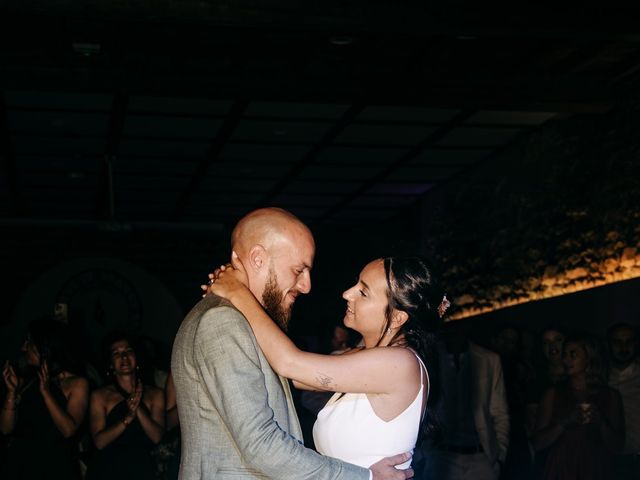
<point>556,404</point>
<point>68,415</point>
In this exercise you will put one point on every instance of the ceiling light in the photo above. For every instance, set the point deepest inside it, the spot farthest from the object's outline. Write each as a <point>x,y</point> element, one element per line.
<point>341,40</point>
<point>86,49</point>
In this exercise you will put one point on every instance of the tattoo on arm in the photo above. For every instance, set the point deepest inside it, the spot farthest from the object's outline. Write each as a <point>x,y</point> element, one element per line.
<point>324,381</point>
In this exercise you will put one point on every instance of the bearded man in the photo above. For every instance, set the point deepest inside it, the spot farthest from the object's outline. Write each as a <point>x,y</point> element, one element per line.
<point>237,416</point>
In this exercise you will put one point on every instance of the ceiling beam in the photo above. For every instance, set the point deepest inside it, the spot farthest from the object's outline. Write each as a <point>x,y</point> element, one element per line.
<point>223,136</point>
<point>311,156</point>
<point>464,17</point>
<point>440,133</point>
<point>626,69</point>
<point>17,206</point>
<point>106,200</point>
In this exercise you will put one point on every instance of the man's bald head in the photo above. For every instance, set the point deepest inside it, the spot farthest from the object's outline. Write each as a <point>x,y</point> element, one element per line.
<point>277,251</point>
<point>266,227</point>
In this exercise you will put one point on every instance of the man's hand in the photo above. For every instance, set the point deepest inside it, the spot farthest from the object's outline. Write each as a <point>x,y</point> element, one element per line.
<point>385,469</point>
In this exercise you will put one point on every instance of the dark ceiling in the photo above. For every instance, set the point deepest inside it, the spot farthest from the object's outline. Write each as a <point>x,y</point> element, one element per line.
<point>177,115</point>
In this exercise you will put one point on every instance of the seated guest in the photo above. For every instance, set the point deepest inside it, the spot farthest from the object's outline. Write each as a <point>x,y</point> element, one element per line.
<point>44,406</point>
<point>127,418</point>
<point>581,420</point>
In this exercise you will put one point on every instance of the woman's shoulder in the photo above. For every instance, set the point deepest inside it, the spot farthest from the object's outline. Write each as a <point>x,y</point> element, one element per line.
<point>72,382</point>
<point>153,391</point>
<point>404,356</point>
<point>103,394</point>
<point>104,390</point>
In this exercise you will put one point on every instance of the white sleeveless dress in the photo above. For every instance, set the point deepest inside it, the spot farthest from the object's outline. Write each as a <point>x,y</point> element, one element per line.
<point>347,428</point>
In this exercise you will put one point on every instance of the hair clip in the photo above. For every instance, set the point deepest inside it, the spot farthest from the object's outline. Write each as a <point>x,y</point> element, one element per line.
<point>444,306</point>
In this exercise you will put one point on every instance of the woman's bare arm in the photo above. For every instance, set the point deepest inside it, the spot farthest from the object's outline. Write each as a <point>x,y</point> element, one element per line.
<point>69,418</point>
<point>151,416</point>
<point>103,435</point>
<point>375,370</point>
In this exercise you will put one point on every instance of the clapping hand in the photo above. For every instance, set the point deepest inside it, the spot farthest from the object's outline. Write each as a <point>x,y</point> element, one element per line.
<point>133,402</point>
<point>43,376</point>
<point>11,379</point>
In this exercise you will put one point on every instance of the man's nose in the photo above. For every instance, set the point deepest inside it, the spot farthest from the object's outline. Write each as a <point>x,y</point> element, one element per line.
<point>304,282</point>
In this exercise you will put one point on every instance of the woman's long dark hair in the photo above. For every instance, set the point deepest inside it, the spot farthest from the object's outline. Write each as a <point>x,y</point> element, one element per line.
<point>412,288</point>
<point>107,343</point>
<point>54,342</point>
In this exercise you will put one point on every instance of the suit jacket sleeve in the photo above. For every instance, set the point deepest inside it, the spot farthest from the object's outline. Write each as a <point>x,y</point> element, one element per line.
<point>230,369</point>
<point>499,409</point>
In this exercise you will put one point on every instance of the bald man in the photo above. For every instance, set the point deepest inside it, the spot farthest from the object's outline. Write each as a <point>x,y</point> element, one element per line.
<point>236,414</point>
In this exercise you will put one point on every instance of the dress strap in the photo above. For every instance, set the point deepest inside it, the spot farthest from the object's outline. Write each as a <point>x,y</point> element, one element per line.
<point>426,372</point>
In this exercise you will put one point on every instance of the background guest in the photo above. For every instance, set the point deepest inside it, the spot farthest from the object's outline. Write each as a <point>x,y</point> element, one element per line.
<point>473,412</point>
<point>581,419</point>
<point>127,418</point>
<point>507,342</point>
<point>44,406</point>
<point>624,376</point>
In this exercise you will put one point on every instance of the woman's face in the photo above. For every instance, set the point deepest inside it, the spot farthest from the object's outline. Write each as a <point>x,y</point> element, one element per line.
<point>31,353</point>
<point>575,358</point>
<point>552,345</point>
<point>123,358</point>
<point>367,302</point>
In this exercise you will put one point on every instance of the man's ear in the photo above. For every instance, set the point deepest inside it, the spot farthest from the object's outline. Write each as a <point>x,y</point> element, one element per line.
<point>257,257</point>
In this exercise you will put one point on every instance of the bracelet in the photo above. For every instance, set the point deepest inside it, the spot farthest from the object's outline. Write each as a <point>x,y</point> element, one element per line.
<point>125,423</point>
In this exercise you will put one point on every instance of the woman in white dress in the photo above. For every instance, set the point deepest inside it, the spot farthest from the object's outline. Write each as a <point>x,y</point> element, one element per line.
<point>384,385</point>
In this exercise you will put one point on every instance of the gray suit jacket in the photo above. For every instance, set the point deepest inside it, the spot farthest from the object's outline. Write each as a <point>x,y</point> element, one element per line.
<point>237,417</point>
<point>489,400</point>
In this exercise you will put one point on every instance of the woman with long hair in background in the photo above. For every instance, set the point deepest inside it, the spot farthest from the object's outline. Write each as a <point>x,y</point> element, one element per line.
<point>127,417</point>
<point>44,406</point>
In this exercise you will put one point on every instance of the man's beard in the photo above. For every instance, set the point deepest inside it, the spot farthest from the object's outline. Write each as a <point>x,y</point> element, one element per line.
<point>272,302</point>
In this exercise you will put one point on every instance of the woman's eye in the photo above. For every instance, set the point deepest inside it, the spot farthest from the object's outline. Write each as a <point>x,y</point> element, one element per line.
<point>362,293</point>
